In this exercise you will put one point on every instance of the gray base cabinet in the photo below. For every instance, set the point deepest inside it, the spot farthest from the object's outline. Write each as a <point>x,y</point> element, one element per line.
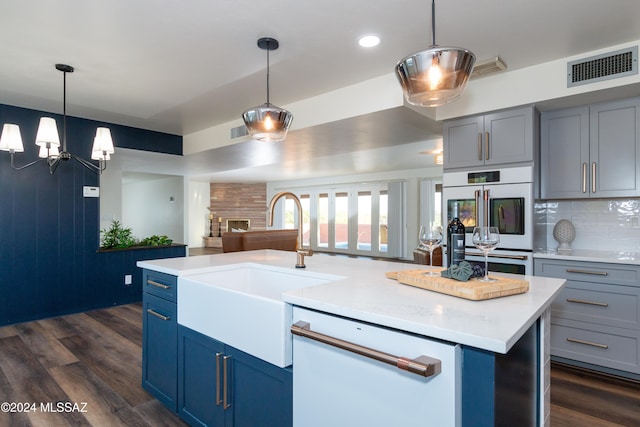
<point>219,385</point>
<point>502,137</point>
<point>591,151</point>
<point>595,317</point>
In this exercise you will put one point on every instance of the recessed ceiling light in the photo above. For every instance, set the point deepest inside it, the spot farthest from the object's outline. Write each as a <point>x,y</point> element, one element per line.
<point>369,41</point>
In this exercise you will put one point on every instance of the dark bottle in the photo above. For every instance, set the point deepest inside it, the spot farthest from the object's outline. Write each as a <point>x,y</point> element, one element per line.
<point>455,239</point>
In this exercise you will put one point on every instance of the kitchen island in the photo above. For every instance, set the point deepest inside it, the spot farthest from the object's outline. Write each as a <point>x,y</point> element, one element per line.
<point>495,340</point>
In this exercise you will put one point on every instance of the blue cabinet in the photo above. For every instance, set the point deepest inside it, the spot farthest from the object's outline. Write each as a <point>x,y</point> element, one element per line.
<point>160,337</point>
<point>219,385</point>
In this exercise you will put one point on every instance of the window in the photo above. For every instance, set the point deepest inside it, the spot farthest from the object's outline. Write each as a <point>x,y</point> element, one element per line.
<point>352,219</point>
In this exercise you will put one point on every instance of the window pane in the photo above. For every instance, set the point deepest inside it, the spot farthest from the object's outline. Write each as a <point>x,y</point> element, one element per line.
<point>341,217</point>
<point>323,220</point>
<point>306,221</point>
<point>384,213</point>
<point>290,214</point>
<point>364,221</point>
<point>437,205</point>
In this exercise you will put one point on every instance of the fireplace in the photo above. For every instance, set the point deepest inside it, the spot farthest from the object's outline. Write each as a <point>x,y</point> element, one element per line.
<point>238,224</point>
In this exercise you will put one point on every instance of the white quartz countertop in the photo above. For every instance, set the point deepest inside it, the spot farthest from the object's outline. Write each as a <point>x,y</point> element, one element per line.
<point>365,294</point>
<point>632,258</point>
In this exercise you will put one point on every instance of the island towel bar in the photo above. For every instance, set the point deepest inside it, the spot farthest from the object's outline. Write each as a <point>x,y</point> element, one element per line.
<point>424,366</point>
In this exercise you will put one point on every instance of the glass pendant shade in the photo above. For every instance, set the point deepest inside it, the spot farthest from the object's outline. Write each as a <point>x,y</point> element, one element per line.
<point>435,76</point>
<point>11,140</point>
<point>267,122</point>
<point>47,133</point>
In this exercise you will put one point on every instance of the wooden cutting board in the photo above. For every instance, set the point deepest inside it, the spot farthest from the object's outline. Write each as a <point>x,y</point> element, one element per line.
<point>472,289</point>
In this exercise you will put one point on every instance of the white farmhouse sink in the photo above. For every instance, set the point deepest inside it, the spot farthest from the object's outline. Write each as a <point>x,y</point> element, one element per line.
<point>241,305</point>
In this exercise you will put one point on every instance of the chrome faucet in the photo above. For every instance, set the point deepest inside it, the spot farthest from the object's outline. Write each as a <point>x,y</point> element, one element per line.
<point>300,251</point>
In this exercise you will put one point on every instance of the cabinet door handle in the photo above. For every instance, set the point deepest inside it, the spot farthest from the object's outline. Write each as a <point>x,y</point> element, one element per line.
<point>592,344</point>
<point>584,177</point>
<point>595,273</point>
<point>158,315</point>
<point>218,399</point>
<point>593,177</point>
<point>225,383</point>
<point>479,145</point>
<point>580,301</point>
<point>157,285</point>
<point>423,365</point>
<point>486,151</point>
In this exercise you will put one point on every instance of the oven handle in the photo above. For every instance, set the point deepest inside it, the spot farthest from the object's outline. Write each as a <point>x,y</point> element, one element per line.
<point>500,256</point>
<point>424,366</point>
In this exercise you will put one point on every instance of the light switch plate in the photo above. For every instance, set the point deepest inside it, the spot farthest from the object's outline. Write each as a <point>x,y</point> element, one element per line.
<point>90,191</point>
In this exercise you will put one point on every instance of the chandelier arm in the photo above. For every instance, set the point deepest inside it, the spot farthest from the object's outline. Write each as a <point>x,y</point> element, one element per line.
<point>19,168</point>
<point>53,164</point>
<point>87,164</point>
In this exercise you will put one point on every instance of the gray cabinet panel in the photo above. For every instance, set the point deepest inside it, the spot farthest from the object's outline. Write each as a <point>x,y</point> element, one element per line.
<point>509,136</point>
<point>591,151</point>
<point>503,137</point>
<point>463,142</point>
<point>600,345</point>
<point>595,317</point>
<point>564,150</point>
<point>615,148</point>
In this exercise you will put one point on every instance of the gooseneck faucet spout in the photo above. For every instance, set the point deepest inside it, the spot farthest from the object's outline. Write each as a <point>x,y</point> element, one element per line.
<point>300,251</point>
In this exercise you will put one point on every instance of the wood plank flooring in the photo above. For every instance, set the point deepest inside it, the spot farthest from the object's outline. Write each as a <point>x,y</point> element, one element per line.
<point>94,358</point>
<point>89,362</point>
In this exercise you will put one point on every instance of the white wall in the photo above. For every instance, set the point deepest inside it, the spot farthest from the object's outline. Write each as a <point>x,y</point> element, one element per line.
<point>147,207</point>
<point>110,197</point>
<point>197,201</point>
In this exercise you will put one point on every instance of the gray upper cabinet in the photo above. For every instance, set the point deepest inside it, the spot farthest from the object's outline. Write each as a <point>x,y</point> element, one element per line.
<point>491,139</point>
<point>591,152</point>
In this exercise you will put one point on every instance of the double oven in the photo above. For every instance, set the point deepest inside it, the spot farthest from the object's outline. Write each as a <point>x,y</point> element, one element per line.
<point>500,198</point>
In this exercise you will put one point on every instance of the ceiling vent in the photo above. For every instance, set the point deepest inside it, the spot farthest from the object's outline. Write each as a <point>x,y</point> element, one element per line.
<point>239,131</point>
<point>488,66</point>
<point>611,65</point>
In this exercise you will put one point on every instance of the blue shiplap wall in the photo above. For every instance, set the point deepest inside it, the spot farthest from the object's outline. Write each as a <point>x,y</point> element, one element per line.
<point>49,233</point>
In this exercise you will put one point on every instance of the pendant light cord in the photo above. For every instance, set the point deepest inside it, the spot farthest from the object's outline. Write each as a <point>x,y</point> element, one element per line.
<point>268,49</point>
<point>64,111</point>
<point>433,22</point>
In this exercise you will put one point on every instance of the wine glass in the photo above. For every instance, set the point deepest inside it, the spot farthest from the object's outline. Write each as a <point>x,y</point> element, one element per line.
<point>431,238</point>
<point>486,239</point>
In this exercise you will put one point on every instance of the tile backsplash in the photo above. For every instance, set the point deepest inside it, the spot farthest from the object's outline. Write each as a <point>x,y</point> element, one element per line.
<point>606,225</point>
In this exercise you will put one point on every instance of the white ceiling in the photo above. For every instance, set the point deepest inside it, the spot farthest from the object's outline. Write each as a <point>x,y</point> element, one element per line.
<point>183,66</point>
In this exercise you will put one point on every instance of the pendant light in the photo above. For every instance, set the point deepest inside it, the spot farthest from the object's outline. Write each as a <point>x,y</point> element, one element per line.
<point>437,75</point>
<point>48,140</point>
<point>267,122</point>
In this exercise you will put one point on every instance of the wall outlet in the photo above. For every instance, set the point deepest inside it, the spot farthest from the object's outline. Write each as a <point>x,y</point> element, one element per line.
<point>128,280</point>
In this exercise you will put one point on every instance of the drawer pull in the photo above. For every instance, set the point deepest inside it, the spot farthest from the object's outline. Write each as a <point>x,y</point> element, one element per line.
<point>225,383</point>
<point>157,285</point>
<point>423,365</point>
<point>595,273</point>
<point>158,315</point>
<point>592,344</point>
<point>218,399</point>
<point>580,301</point>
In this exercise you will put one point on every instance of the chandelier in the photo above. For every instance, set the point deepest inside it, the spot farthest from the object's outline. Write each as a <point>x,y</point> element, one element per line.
<point>47,138</point>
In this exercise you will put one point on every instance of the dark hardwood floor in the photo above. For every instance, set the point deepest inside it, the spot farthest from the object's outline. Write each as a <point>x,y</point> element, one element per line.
<point>91,362</point>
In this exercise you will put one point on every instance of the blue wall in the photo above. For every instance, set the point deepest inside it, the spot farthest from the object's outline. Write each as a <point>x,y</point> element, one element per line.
<point>49,233</point>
